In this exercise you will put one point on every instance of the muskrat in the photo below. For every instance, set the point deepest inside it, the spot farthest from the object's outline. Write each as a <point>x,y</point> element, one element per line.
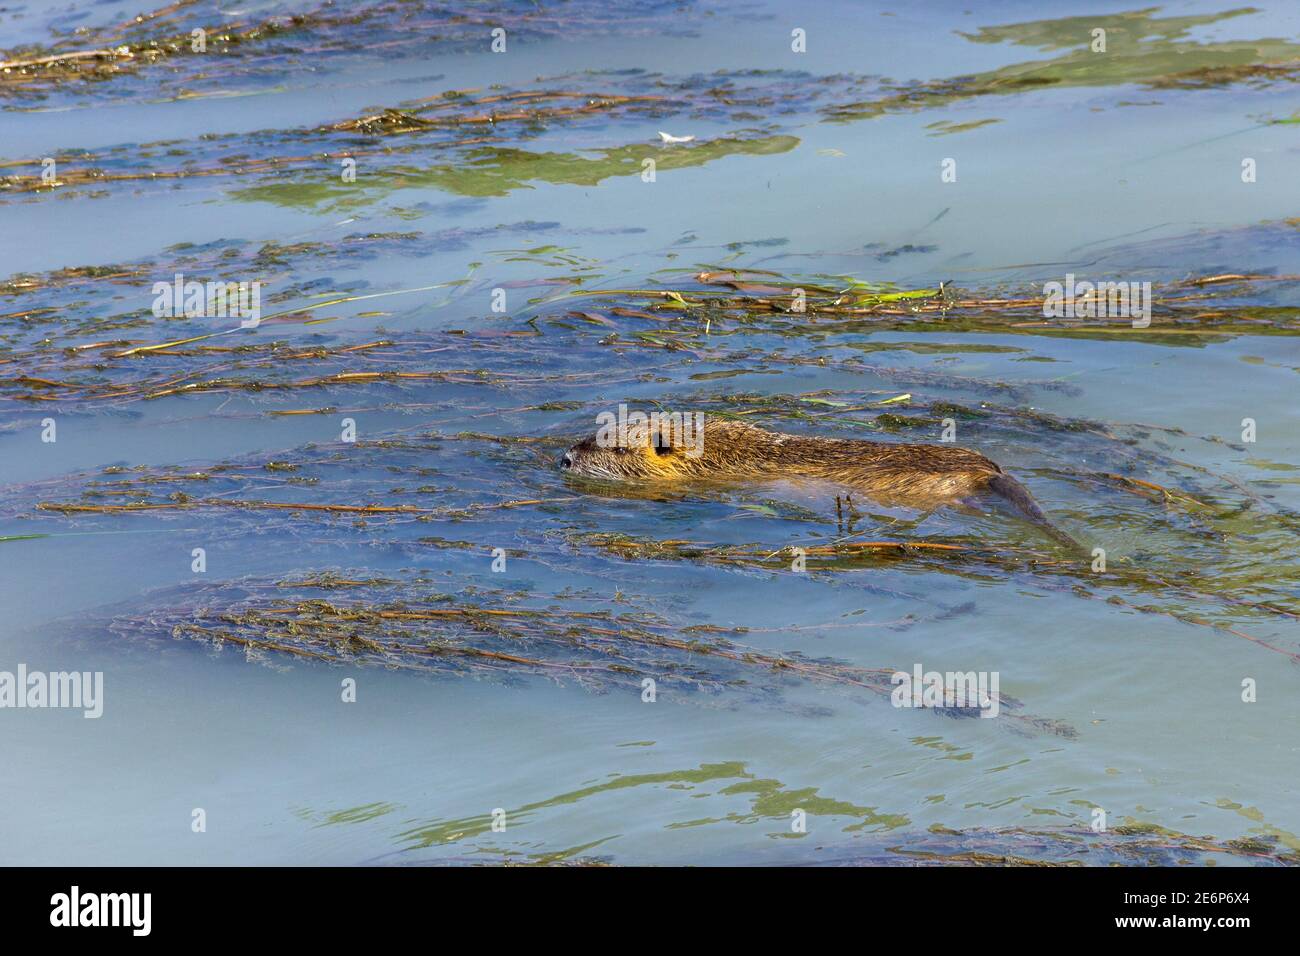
<point>916,476</point>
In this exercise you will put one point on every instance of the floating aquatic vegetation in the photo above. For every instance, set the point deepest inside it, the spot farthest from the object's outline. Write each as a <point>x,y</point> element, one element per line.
<point>768,799</point>
<point>464,141</point>
<point>398,485</point>
<point>948,127</point>
<point>1124,584</point>
<point>1126,845</point>
<point>98,307</point>
<point>1271,247</point>
<point>1184,509</point>
<point>497,170</point>
<point>1204,537</point>
<point>1141,48</point>
<point>114,372</point>
<point>876,838</point>
<point>359,619</point>
<point>488,117</point>
<point>219,363</point>
<point>161,44</point>
<point>104,53</point>
<point>468,141</point>
<point>720,302</point>
<point>66,344</point>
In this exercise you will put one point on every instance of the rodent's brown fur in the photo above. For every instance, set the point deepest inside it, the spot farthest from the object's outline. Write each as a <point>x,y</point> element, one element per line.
<point>919,476</point>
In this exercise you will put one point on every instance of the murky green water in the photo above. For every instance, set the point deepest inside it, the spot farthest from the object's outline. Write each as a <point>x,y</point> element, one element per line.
<point>501,270</point>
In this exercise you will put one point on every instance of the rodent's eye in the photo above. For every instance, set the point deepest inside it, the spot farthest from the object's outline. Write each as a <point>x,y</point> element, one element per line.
<point>661,449</point>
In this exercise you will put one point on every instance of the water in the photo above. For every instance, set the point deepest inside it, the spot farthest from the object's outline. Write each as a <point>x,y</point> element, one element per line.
<point>813,168</point>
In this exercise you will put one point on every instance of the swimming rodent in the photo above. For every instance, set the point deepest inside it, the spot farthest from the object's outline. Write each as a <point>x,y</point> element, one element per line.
<point>917,476</point>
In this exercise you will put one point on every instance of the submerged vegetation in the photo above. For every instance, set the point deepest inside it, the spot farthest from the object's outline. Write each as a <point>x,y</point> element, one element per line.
<point>78,356</point>
<point>717,325</point>
<point>879,838</point>
<point>406,623</point>
<point>468,142</point>
<point>1142,47</point>
<point>1127,845</point>
<point>1210,543</point>
<point>160,45</point>
<point>456,140</point>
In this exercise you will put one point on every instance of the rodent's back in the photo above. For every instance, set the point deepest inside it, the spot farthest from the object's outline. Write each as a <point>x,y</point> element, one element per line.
<point>737,451</point>
<point>893,472</point>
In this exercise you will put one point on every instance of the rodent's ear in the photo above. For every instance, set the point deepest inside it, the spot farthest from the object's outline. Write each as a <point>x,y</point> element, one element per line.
<point>666,440</point>
<point>661,442</point>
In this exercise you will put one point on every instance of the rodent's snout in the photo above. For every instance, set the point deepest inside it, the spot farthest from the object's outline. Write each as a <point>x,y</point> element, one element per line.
<point>567,461</point>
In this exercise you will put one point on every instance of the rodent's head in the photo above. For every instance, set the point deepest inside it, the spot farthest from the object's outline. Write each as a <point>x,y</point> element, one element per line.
<point>634,454</point>
<point>667,449</point>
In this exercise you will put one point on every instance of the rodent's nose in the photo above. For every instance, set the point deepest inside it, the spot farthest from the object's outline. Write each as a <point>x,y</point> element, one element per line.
<point>567,460</point>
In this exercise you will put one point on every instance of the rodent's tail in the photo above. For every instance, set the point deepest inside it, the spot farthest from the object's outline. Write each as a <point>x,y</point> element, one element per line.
<point>1018,495</point>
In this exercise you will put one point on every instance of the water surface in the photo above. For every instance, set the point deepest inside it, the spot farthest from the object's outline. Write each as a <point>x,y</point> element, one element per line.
<point>819,170</point>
